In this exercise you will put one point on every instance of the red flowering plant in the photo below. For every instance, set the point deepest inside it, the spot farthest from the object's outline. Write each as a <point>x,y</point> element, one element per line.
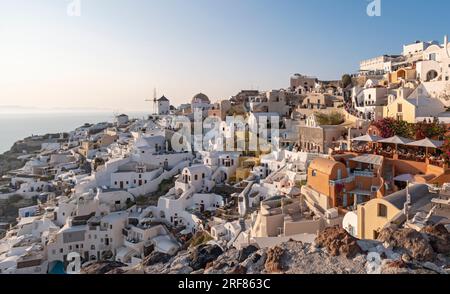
<point>432,130</point>
<point>446,149</point>
<point>389,127</point>
<point>385,126</point>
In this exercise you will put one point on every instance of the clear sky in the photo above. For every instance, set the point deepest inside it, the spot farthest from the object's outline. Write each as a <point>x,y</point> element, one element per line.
<point>117,51</point>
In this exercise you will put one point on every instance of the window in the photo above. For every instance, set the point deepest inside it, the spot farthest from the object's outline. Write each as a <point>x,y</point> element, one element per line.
<point>314,173</point>
<point>195,177</point>
<point>399,107</point>
<point>70,247</point>
<point>115,183</point>
<point>77,246</point>
<point>92,247</point>
<point>110,226</point>
<point>60,250</point>
<point>375,235</point>
<point>382,210</point>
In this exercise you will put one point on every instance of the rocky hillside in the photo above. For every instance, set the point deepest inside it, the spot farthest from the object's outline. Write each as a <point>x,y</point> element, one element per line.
<point>9,161</point>
<point>9,208</point>
<point>334,252</point>
<point>29,145</point>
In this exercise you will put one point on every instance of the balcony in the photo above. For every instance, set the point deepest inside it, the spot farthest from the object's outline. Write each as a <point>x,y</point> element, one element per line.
<point>342,181</point>
<point>363,173</point>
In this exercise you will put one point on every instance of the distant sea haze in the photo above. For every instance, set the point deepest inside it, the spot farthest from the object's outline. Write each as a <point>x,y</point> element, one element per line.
<point>16,126</point>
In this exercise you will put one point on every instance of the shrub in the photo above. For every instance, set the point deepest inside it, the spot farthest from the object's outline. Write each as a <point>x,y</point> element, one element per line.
<point>333,118</point>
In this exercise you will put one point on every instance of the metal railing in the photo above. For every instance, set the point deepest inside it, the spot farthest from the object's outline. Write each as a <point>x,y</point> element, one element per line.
<point>362,173</point>
<point>342,181</point>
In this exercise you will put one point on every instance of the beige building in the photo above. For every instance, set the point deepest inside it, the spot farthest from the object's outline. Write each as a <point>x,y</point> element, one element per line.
<point>313,137</point>
<point>220,109</point>
<point>318,101</point>
<point>413,107</point>
<point>377,213</point>
<point>280,216</point>
<point>302,84</point>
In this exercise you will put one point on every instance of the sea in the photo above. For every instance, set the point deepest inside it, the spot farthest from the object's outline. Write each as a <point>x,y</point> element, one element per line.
<point>16,126</point>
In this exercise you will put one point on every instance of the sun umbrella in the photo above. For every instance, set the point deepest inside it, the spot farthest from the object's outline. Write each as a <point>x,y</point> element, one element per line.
<point>396,140</point>
<point>367,138</point>
<point>428,143</point>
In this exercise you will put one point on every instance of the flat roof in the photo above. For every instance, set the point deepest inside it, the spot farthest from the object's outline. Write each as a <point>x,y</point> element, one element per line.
<point>369,158</point>
<point>420,196</point>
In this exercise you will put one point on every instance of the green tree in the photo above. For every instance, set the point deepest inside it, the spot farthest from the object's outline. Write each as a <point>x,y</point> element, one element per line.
<point>403,129</point>
<point>346,80</point>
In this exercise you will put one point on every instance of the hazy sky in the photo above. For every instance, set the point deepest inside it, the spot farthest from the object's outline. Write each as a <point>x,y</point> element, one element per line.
<point>117,51</point>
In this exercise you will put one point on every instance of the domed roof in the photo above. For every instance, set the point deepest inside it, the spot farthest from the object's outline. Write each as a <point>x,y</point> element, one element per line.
<point>200,98</point>
<point>324,165</point>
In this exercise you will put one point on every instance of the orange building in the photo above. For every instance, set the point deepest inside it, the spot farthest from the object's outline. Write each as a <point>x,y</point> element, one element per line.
<point>344,181</point>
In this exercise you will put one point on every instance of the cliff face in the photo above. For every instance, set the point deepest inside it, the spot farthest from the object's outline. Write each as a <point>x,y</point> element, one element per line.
<point>9,208</point>
<point>30,145</point>
<point>8,162</point>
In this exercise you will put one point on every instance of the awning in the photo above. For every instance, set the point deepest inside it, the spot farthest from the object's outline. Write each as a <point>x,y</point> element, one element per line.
<point>368,158</point>
<point>427,143</point>
<point>367,138</point>
<point>396,140</point>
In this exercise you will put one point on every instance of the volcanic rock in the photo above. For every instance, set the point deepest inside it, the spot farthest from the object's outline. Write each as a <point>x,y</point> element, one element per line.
<point>338,242</point>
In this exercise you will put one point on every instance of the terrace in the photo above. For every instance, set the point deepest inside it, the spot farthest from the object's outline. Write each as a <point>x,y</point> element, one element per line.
<point>402,149</point>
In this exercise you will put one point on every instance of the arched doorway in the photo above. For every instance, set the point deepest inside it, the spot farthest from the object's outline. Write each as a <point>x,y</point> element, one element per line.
<point>431,75</point>
<point>401,74</point>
